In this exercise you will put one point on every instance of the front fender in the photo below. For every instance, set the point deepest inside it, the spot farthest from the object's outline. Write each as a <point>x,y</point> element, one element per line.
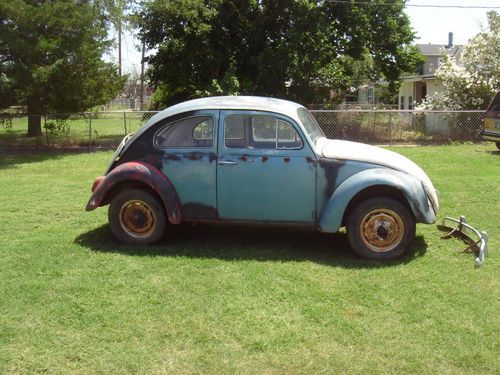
<point>144,173</point>
<point>411,187</point>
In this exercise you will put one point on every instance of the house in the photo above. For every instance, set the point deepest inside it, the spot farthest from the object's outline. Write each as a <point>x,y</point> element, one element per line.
<point>416,86</point>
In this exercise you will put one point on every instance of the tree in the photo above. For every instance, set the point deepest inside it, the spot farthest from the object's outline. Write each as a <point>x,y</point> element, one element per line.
<point>297,49</point>
<point>472,84</point>
<point>116,14</point>
<point>51,58</point>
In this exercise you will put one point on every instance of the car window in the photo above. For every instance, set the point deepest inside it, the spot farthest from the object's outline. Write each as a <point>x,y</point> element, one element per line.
<point>189,132</point>
<point>260,132</point>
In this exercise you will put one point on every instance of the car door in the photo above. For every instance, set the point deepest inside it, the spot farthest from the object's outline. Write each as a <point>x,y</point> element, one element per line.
<point>264,169</point>
<point>189,146</point>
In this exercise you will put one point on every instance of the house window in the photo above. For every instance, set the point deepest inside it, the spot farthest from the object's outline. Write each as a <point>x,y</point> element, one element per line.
<point>371,95</point>
<point>410,102</point>
<point>402,103</point>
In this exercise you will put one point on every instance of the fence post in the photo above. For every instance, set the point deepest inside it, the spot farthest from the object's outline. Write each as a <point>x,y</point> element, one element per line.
<point>374,129</point>
<point>46,130</point>
<point>125,122</point>
<point>390,128</point>
<point>90,132</point>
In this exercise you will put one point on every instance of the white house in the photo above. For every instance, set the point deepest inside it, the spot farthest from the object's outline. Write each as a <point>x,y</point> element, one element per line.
<point>415,87</point>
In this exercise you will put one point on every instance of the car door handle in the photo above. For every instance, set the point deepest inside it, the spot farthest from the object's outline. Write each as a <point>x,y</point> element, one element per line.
<point>227,162</point>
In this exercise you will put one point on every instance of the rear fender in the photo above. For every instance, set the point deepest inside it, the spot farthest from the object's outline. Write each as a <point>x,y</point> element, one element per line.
<point>412,189</point>
<point>144,173</point>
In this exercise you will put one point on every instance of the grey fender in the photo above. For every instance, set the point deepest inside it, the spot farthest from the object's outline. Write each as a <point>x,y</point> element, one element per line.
<point>411,187</point>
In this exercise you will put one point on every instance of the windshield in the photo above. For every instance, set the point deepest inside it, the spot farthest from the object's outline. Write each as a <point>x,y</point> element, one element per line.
<point>310,125</point>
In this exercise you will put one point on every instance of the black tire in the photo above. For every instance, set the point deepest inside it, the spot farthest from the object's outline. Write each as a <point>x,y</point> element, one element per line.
<point>137,217</point>
<point>498,145</point>
<point>380,228</point>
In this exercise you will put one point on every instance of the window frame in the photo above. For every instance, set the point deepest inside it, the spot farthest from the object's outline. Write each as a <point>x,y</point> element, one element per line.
<point>249,131</point>
<point>170,123</point>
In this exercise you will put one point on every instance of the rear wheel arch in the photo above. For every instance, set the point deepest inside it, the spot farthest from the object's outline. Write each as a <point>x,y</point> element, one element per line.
<point>140,175</point>
<point>128,185</point>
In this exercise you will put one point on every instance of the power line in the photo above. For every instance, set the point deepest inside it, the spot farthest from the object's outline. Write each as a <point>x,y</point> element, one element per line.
<point>347,2</point>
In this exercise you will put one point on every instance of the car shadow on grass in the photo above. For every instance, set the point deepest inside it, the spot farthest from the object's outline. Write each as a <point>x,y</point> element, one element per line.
<point>236,243</point>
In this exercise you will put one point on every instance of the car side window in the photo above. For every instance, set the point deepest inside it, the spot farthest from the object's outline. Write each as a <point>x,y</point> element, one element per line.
<point>260,132</point>
<point>189,132</point>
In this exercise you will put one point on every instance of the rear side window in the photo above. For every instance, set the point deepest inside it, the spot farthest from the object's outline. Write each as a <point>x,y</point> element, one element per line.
<point>260,132</point>
<point>189,132</point>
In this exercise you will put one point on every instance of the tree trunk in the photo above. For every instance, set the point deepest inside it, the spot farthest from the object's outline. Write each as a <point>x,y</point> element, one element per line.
<point>34,125</point>
<point>34,117</point>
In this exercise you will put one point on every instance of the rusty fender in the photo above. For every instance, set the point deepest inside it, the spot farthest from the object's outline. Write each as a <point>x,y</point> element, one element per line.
<point>144,173</point>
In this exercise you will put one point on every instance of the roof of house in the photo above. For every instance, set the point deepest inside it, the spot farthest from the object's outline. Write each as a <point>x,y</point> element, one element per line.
<point>438,49</point>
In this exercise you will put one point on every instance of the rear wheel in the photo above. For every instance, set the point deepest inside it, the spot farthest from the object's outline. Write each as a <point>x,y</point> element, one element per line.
<point>380,228</point>
<point>137,217</point>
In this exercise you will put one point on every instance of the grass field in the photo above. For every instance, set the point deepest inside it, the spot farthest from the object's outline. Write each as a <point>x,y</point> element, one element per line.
<point>104,130</point>
<point>251,300</point>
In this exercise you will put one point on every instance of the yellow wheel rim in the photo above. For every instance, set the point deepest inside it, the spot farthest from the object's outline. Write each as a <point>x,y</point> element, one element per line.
<point>137,218</point>
<point>382,230</point>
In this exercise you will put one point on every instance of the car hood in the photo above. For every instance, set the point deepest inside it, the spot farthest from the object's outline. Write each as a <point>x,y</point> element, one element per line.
<point>345,150</point>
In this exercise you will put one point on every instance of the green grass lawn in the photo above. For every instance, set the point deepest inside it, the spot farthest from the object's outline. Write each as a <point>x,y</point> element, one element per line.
<point>225,299</point>
<point>106,130</point>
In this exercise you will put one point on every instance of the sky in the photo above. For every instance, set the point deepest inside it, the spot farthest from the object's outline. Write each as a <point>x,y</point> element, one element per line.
<point>431,25</point>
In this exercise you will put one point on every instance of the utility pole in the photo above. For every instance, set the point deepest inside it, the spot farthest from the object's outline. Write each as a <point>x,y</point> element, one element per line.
<point>142,75</point>
<point>120,47</point>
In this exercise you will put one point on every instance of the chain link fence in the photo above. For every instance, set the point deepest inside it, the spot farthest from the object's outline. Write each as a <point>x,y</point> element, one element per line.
<point>104,130</point>
<point>396,127</point>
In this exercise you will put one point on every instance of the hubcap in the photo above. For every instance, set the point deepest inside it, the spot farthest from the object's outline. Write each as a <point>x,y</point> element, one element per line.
<point>382,230</point>
<point>137,218</point>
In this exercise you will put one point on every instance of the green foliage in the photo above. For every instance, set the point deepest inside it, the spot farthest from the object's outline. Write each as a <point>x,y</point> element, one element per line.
<point>51,56</point>
<point>6,121</point>
<point>386,94</point>
<point>57,126</point>
<point>292,49</point>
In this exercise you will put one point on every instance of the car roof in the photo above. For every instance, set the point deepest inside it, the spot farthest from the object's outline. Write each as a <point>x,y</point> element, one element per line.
<point>257,103</point>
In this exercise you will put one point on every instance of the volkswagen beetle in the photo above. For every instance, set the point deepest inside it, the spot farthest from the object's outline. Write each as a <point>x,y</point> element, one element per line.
<point>254,159</point>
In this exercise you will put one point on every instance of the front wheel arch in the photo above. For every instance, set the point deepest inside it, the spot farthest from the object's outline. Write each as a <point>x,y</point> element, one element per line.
<point>379,191</point>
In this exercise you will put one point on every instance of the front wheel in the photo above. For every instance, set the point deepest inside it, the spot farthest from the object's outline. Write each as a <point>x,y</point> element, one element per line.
<point>137,217</point>
<point>380,228</point>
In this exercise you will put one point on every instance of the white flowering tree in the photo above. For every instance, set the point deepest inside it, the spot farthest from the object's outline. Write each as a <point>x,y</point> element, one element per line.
<point>472,84</point>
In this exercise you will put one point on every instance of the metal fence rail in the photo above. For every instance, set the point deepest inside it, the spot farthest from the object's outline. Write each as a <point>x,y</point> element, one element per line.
<point>104,130</point>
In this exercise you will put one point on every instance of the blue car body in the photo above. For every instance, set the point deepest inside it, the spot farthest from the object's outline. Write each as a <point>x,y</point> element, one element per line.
<point>257,160</point>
